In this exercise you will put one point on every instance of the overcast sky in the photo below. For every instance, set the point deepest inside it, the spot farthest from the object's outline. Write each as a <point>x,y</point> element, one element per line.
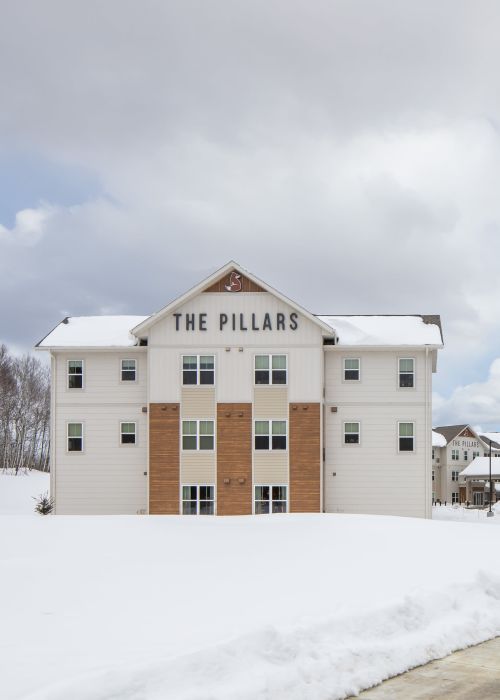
<point>347,152</point>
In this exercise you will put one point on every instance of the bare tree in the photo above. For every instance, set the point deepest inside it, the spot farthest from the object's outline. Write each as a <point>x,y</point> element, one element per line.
<point>24,413</point>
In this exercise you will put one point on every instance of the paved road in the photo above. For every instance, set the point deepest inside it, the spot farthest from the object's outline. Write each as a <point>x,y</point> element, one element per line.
<point>471,674</point>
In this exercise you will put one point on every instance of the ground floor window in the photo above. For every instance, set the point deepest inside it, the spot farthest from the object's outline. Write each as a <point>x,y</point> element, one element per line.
<point>454,497</point>
<point>454,476</point>
<point>478,498</point>
<point>198,500</point>
<point>270,499</point>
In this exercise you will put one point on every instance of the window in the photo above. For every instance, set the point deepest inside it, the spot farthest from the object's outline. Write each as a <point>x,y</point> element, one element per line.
<point>454,497</point>
<point>198,500</point>
<point>197,435</point>
<point>454,476</point>
<point>270,499</point>
<point>75,374</point>
<point>351,433</point>
<point>406,437</point>
<point>478,498</point>
<point>454,455</point>
<point>270,369</point>
<point>198,369</point>
<point>351,369</point>
<point>433,454</point>
<point>75,437</point>
<point>127,433</point>
<point>270,434</point>
<point>433,475</point>
<point>466,455</point>
<point>128,370</point>
<point>406,372</point>
<point>475,454</point>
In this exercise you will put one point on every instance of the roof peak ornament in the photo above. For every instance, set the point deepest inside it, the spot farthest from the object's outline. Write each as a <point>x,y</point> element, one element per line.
<point>235,284</point>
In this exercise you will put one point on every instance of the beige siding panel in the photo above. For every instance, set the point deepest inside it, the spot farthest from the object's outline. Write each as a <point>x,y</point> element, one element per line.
<point>270,402</point>
<point>305,373</point>
<point>270,467</point>
<point>164,375</point>
<point>198,468</point>
<point>198,402</point>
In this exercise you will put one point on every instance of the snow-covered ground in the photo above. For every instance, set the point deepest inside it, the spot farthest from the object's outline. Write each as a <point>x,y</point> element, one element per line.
<point>18,491</point>
<point>468,515</point>
<point>309,607</point>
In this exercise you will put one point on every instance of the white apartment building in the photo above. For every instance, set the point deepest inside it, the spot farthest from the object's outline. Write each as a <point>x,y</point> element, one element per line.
<point>234,399</point>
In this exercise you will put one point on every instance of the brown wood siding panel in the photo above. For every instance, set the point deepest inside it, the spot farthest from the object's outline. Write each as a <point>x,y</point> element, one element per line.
<point>305,457</point>
<point>246,285</point>
<point>164,461</point>
<point>234,458</point>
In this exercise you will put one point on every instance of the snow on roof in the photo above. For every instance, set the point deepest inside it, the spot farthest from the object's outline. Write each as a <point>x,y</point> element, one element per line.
<point>480,466</point>
<point>494,437</point>
<point>385,330</point>
<point>93,331</point>
<point>438,440</point>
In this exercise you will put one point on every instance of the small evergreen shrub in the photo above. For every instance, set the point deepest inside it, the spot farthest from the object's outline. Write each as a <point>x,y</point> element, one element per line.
<point>44,504</point>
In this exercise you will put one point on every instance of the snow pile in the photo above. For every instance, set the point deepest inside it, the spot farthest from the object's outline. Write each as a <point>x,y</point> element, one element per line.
<point>438,440</point>
<point>471,515</point>
<point>309,607</point>
<point>93,332</point>
<point>17,492</point>
<point>384,330</point>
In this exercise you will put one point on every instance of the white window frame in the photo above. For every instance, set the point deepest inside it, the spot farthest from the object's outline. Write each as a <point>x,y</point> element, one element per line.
<point>198,368</point>
<point>454,474</point>
<point>414,437</point>
<point>455,455</point>
<point>121,433</point>
<point>344,370</point>
<point>77,388</point>
<point>270,421</point>
<point>188,500</point>
<point>198,448</point>
<point>475,454</point>
<point>260,485</point>
<point>128,381</point>
<point>455,497</point>
<point>351,444</point>
<point>75,422</point>
<point>270,370</point>
<point>413,373</point>
<point>466,455</point>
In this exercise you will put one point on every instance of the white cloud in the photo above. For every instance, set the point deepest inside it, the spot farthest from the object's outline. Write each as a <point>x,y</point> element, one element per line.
<point>30,225</point>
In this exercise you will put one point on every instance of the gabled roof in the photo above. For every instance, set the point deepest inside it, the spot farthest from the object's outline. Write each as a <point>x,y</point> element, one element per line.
<point>386,330</point>
<point>92,332</point>
<point>451,431</point>
<point>494,437</point>
<point>231,266</point>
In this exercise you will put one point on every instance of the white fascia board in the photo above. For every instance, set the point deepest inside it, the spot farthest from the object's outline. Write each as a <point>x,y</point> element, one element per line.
<point>228,267</point>
<point>339,348</point>
<point>93,348</point>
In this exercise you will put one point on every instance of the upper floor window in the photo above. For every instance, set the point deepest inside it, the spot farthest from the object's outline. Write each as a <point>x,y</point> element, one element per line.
<point>455,455</point>
<point>75,437</point>
<point>198,369</point>
<point>75,374</point>
<point>406,372</point>
<point>406,433</point>
<point>475,454</point>
<point>433,454</point>
<point>466,455</point>
<point>454,476</point>
<point>270,369</point>
<point>198,500</point>
<point>198,435</point>
<point>270,435</point>
<point>128,433</point>
<point>352,367</point>
<point>351,433</point>
<point>433,475</point>
<point>128,370</point>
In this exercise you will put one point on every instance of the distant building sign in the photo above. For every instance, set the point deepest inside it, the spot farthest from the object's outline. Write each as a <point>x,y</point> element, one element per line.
<point>238,322</point>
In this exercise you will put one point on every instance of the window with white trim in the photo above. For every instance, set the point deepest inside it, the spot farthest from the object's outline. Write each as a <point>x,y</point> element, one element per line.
<point>406,372</point>
<point>454,475</point>
<point>352,433</point>
<point>198,435</point>
<point>455,455</point>
<point>475,454</point>
<point>352,369</point>
<point>75,374</point>
<point>75,437</point>
<point>198,370</point>
<point>270,499</point>
<point>198,500</point>
<point>270,369</point>
<point>466,455</point>
<point>128,433</point>
<point>406,437</point>
<point>433,475</point>
<point>454,497</point>
<point>270,435</point>
<point>433,454</point>
<point>128,371</point>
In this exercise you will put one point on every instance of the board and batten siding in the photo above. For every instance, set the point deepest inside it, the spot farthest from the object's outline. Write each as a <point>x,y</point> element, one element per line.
<point>107,478</point>
<point>374,477</point>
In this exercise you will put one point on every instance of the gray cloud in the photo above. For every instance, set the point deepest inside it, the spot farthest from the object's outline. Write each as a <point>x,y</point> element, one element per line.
<point>346,152</point>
